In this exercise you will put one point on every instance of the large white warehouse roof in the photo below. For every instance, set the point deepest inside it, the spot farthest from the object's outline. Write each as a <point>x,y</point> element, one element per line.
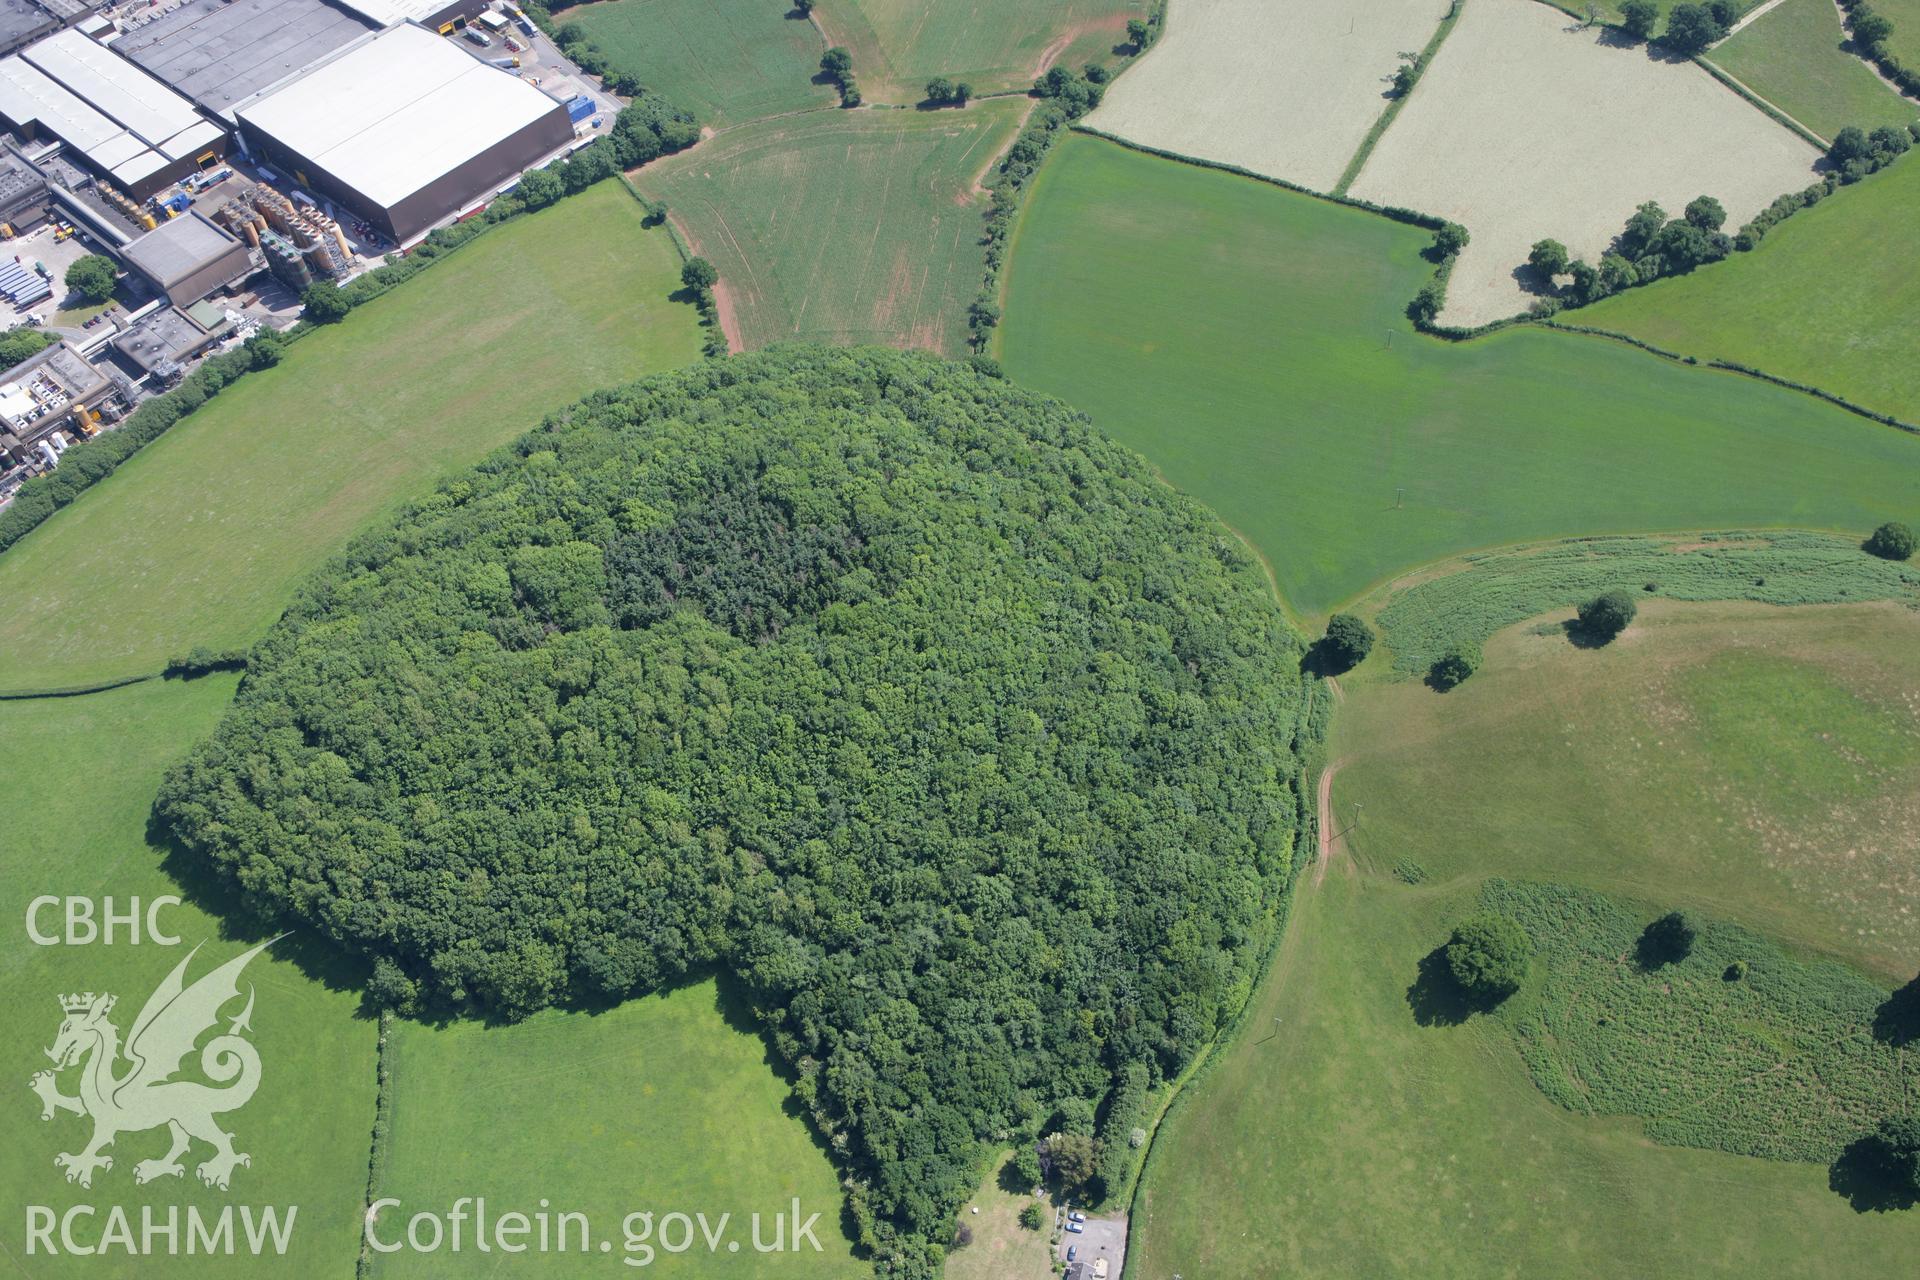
<point>126,122</point>
<point>392,114</point>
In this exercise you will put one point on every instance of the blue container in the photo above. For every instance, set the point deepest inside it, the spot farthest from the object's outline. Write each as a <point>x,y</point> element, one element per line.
<point>580,108</point>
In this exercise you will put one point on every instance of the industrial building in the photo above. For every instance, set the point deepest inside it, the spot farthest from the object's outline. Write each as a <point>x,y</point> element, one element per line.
<point>49,391</point>
<point>443,16</point>
<point>404,129</point>
<point>24,21</point>
<point>188,258</point>
<point>125,126</point>
<point>219,52</point>
<point>23,193</point>
<point>162,343</point>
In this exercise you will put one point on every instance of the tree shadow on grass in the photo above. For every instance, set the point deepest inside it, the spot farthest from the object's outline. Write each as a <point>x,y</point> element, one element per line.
<point>241,919</point>
<point>1897,1021</point>
<point>1435,998</point>
<point>733,1000</point>
<point>1865,1178</point>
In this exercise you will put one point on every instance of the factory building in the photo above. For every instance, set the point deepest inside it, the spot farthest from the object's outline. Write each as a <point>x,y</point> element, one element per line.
<point>443,16</point>
<point>404,129</point>
<point>188,258</point>
<point>126,127</point>
<point>220,52</point>
<point>48,392</point>
<point>24,21</point>
<point>23,193</point>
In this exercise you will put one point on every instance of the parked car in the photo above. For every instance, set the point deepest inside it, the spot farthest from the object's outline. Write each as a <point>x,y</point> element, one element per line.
<point>1072,1249</point>
<point>1075,1227</point>
<point>1076,1216</point>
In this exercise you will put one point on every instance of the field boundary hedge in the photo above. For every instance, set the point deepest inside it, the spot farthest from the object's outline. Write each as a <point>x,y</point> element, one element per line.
<point>1309,742</point>
<point>1443,271</point>
<point>380,1144</point>
<point>1399,100</point>
<point>1753,99</point>
<point>1734,366</point>
<point>75,690</point>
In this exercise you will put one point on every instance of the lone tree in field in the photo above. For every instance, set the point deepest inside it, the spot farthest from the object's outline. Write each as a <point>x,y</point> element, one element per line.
<point>1487,956</point>
<point>1667,940</point>
<point>1452,670</point>
<point>1030,1215</point>
<point>1606,616</point>
<point>1345,646</point>
<point>92,277</point>
<point>940,90</point>
<point>1450,239</point>
<point>1891,541</point>
<point>1637,18</point>
<point>1548,258</point>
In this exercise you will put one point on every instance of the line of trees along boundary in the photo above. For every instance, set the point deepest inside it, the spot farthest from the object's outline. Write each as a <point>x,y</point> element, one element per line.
<point>1310,740</point>
<point>1451,333</point>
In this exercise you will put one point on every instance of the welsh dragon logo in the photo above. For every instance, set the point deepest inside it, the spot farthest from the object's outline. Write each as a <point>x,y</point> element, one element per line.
<point>145,1095</point>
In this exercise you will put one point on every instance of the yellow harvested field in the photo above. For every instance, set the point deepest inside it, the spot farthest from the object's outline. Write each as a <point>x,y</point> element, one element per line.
<point>1286,88</point>
<point>1526,127</point>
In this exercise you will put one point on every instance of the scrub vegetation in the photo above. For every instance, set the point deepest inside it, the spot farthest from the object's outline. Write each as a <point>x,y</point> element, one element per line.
<point>1735,1046</point>
<point>1488,592</point>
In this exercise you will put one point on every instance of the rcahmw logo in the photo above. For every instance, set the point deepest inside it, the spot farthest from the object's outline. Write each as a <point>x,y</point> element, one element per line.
<point>133,1086</point>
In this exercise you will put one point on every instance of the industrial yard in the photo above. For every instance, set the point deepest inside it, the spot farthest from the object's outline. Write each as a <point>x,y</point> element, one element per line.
<point>226,156</point>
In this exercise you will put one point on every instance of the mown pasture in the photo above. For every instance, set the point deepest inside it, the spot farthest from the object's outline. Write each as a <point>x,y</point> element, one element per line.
<point>1261,357</point>
<point>666,1104</point>
<point>1816,302</point>
<point>201,537</point>
<point>842,226</point>
<point>1791,55</point>
<point>994,45</point>
<point>1357,1129</point>
<point>1751,761</point>
<point>87,769</point>
<point>726,61</point>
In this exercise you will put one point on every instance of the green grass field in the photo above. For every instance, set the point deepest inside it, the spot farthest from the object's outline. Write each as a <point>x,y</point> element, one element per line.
<point>842,226</point>
<point>1905,40</point>
<point>202,537</point>
<point>726,61</point>
<point>85,772</point>
<point>1685,765</point>
<point>666,1104</point>
<point>1000,1248</point>
<point>1252,342</point>
<point>1815,302</point>
<point>1791,56</point>
<point>994,45</point>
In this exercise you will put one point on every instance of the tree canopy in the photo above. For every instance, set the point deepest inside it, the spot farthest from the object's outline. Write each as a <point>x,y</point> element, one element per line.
<point>969,746</point>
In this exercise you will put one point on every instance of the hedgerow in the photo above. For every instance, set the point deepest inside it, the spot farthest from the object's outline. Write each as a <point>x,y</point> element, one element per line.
<point>1735,1047</point>
<point>1430,619</point>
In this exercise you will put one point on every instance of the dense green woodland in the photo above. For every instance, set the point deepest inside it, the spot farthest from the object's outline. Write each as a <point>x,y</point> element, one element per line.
<point>969,745</point>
